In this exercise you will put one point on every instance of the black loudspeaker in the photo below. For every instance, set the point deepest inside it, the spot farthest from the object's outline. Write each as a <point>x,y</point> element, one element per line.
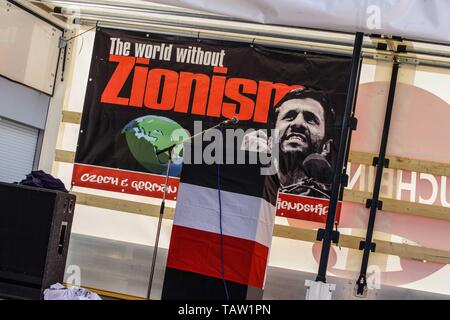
<point>35,229</point>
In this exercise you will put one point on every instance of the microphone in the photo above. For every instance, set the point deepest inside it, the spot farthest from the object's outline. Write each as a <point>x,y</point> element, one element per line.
<point>317,166</point>
<point>233,120</point>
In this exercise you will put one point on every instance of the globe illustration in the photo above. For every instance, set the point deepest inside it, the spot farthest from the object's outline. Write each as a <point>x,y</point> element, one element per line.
<point>148,135</point>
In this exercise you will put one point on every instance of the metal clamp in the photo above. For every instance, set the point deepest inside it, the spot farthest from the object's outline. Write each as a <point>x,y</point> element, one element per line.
<point>376,160</point>
<point>379,204</point>
<point>381,46</point>
<point>362,245</point>
<point>353,123</point>
<point>334,235</point>
<point>361,287</point>
<point>344,179</point>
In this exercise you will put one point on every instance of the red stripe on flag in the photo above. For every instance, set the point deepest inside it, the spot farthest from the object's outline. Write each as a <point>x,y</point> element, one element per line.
<point>143,184</point>
<point>199,252</point>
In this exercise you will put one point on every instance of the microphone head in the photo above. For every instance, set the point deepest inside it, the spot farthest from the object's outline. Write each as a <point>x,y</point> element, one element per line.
<point>234,120</point>
<point>317,166</point>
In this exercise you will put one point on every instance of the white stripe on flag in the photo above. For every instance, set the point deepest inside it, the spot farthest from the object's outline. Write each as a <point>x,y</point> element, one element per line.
<point>243,216</point>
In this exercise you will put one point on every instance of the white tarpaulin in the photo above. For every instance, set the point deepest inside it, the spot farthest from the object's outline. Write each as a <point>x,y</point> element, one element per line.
<point>414,19</point>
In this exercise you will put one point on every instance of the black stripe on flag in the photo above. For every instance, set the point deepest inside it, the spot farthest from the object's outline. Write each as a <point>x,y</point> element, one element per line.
<point>182,285</point>
<point>237,178</point>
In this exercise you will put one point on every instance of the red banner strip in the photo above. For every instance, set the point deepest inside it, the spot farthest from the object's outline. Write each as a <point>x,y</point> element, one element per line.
<point>305,208</point>
<point>143,184</point>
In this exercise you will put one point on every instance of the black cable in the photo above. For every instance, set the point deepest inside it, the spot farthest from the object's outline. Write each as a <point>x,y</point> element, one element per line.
<point>222,260</point>
<point>63,68</point>
<point>96,25</point>
<point>64,47</point>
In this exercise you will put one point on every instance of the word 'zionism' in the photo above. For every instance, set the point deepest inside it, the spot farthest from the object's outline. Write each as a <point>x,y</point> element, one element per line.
<point>212,95</point>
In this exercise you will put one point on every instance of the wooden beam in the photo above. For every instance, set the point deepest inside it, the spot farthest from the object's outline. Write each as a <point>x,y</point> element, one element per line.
<point>361,157</point>
<point>152,210</point>
<point>282,231</point>
<point>288,232</point>
<point>122,205</point>
<point>436,168</point>
<point>412,252</point>
<point>416,209</point>
<point>110,294</point>
<point>366,158</point>
<point>401,206</point>
<point>356,196</point>
<point>382,246</point>
<point>391,205</point>
<point>71,117</point>
<point>431,167</point>
<point>64,156</point>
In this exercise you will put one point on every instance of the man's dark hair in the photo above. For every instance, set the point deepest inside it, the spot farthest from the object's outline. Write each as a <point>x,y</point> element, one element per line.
<point>317,95</point>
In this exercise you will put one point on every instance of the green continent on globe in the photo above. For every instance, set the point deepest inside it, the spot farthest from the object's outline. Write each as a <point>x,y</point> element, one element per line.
<point>149,134</point>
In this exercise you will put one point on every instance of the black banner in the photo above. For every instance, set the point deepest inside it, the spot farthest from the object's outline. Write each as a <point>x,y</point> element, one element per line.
<point>142,87</point>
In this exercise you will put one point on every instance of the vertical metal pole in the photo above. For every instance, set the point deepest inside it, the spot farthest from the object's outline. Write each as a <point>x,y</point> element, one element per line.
<point>341,193</point>
<point>343,148</point>
<point>158,229</point>
<point>374,203</point>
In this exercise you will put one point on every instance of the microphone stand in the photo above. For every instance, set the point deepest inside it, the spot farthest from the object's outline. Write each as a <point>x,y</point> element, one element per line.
<point>161,208</point>
<point>158,230</point>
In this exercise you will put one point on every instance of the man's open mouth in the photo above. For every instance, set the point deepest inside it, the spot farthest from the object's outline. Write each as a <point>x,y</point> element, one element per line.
<point>296,137</point>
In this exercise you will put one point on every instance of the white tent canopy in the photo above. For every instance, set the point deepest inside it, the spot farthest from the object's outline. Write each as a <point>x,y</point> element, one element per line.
<point>413,19</point>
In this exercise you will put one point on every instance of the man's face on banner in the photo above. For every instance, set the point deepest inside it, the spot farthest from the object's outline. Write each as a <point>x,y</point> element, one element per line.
<point>301,125</point>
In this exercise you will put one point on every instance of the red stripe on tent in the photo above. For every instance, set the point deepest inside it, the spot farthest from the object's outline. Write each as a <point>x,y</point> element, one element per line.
<point>143,184</point>
<point>199,252</point>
